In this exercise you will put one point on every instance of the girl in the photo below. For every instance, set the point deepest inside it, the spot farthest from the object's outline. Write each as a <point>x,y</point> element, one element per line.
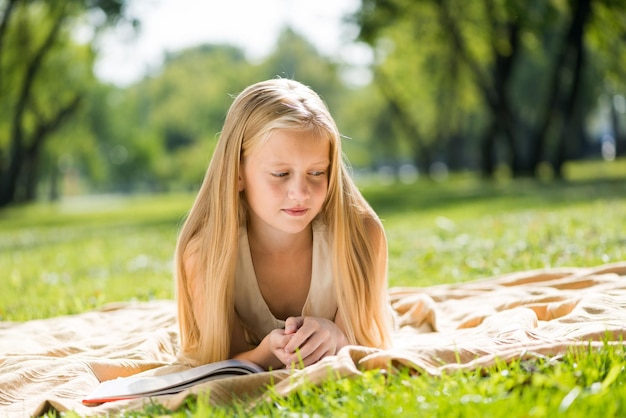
<point>280,260</point>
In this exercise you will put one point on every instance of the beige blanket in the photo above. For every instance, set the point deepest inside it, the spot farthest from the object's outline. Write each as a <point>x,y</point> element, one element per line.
<point>52,364</point>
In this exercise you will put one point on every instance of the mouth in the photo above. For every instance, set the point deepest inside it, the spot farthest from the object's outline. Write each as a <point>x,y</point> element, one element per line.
<point>296,211</point>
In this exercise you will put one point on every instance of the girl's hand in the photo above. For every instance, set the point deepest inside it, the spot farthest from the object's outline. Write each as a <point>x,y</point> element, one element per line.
<point>277,340</point>
<point>311,339</point>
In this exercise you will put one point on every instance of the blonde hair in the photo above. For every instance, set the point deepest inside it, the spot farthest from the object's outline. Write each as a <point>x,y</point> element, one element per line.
<point>212,226</point>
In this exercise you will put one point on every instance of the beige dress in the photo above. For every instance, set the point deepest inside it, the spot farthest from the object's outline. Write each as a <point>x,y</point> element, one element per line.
<point>255,315</point>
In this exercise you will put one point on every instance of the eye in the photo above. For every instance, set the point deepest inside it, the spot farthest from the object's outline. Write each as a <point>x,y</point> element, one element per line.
<point>280,174</point>
<point>317,173</point>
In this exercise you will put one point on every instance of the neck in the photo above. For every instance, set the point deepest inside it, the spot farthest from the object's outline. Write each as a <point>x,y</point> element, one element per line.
<point>262,242</point>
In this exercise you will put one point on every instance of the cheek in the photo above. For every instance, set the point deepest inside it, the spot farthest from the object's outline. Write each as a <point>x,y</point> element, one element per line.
<point>319,189</point>
<point>263,190</point>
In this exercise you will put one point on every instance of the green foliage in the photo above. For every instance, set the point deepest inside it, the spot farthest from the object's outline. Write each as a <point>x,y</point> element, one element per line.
<point>171,120</point>
<point>427,102</point>
<point>45,75</point>
<point>295,57</point>
<point>495,80</point>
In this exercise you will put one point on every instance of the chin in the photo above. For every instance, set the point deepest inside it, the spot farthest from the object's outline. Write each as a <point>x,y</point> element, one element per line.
<point>297,227</point>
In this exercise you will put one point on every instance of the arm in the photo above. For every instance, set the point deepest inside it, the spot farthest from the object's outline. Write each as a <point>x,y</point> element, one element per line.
<point>268,354</point>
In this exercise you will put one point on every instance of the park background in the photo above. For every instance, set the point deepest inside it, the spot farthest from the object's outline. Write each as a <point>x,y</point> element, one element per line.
<point>420,88</point>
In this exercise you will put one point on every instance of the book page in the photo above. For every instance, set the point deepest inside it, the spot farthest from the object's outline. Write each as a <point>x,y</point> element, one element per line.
<point>140,386</point>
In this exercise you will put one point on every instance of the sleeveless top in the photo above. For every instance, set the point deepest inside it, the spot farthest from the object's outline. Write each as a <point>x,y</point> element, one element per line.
<point>255,316</point>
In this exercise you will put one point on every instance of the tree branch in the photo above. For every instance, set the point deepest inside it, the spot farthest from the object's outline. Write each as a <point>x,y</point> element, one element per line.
<point>404,118</point>
<point>6,16</point>
<point>576,25</point>
<point>5,20</point>
<point>460,46</point>
<point>10,174</point>
<point>30,74</point>
<point>44,128</point>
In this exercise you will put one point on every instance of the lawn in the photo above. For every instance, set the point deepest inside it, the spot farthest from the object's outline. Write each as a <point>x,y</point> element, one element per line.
<point>81,253</point>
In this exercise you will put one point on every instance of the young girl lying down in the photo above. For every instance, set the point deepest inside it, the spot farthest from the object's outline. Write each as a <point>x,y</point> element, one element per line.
<point>281,260</point>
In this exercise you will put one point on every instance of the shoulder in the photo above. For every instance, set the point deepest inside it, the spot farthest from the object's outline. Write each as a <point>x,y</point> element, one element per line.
<point>374,231</point>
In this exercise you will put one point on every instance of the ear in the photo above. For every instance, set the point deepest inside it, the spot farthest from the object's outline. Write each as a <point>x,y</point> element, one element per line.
<point>241,184</point>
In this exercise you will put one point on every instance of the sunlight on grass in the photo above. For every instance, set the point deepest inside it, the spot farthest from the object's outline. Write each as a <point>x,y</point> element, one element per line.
<point>579,384</point>
<point>64,259</point>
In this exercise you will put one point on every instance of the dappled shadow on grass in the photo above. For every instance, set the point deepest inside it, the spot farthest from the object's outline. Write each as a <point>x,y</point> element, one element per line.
<point>424,196</point>
<point>43,224</point>
<point>61,233</point>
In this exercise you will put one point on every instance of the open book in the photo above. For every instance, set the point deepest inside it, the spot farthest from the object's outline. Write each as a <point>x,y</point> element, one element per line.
<point>146,386</point>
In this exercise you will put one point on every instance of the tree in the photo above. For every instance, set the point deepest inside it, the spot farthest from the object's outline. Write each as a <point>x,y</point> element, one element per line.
<point>501,42</point>
<point>38,91</point>
<point>606,40</point>
<point>167,124</point>
<point>419,73</point>
<point>295,57</point>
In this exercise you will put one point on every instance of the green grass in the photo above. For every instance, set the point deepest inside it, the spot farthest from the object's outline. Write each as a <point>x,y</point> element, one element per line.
<point>80,254</point>
<point>583,383</point>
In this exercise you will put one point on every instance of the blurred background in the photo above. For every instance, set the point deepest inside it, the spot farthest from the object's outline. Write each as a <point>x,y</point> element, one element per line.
<point>115,96</point>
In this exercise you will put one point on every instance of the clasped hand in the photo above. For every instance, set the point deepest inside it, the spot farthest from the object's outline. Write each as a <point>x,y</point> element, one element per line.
<point>306,340</point>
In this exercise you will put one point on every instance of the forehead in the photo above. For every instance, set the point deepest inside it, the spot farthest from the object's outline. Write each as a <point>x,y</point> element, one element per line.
<point>287,143</point>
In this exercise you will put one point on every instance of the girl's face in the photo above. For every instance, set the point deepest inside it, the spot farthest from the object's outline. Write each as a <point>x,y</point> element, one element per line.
<point>285,181</point>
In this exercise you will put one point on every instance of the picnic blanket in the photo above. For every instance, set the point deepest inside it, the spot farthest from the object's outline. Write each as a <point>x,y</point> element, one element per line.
<point>51,364</point>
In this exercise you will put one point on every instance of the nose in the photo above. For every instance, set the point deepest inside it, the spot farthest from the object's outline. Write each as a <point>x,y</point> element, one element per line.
<point>298,189</point>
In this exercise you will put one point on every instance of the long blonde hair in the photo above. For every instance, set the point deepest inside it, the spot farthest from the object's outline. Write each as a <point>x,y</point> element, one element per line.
<point>212,226</point>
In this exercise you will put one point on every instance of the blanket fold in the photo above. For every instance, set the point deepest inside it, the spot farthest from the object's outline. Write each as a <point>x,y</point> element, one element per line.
<point>51,364</point>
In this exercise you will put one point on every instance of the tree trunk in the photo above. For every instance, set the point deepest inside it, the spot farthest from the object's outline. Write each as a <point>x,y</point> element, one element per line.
<point>6,17</point>
<point>576,30</point>
<point>54,193</point>
<point>618,134</point>
<point>421,153</point>
<point>10,176</point>
<point>577,54</point>
<point>43,132</point>
<point>487,149</point>
<point>494,88</point>
<point>31,175</point>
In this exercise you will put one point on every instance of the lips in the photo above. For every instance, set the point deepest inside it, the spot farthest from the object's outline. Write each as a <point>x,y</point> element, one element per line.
<point>296,211</point>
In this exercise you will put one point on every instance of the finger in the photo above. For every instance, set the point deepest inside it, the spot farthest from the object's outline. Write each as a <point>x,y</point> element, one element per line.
<point>300,338</point>
<point>305,349</point>
<point>293,323</point>
<point>278,339</point>
<point>300,359</point>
